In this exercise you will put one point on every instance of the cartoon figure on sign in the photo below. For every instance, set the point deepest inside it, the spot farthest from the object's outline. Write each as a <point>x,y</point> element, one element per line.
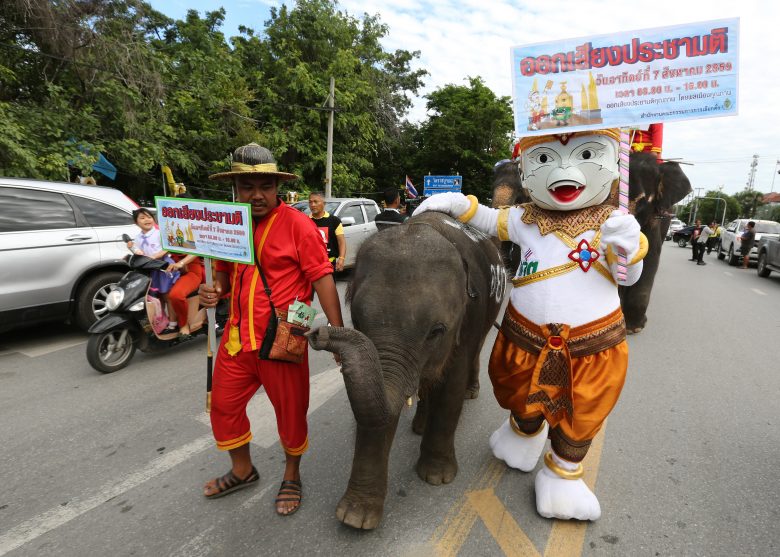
<point>560,358</point>
<point>563,107</point>
<point>179,236</point>
<point>534,107</point>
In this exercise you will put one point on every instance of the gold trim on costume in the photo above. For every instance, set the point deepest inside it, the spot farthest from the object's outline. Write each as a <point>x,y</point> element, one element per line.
<point>299,450</point>
<point>520,432</point>
<point>544,275</point>
<point>503,224</point>
<point>235,443</point>
<point>468,215</point>
<point>255,275</point>
<point>526,143</point>
<point>562,472</point>
<point>572,223</point>
<point>643,246</point>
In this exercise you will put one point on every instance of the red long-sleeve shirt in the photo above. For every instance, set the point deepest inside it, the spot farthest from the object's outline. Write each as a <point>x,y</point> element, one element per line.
<point>291,252</point>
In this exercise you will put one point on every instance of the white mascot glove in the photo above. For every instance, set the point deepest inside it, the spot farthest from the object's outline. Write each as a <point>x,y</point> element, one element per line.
<point>621,231</point>
<point>453,203</point>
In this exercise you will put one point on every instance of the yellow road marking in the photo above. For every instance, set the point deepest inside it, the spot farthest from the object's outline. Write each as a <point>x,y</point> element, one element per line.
<point>507,533</point>
<point>568,536</point>
<point>480,501</point>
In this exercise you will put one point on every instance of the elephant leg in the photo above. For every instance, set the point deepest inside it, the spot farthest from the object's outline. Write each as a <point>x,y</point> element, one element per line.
<point>420,417</point>
<point>472,388</point>
<point>437,463</point>
<point>363,502</point>
<point>636,298</point>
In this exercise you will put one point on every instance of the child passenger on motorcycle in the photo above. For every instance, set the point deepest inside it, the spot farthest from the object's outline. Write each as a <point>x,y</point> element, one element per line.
<point>149,243</point>
<point>191,268</point>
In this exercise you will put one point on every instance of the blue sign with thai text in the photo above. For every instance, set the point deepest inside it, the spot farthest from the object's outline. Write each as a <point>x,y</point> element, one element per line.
<point>440,184</point>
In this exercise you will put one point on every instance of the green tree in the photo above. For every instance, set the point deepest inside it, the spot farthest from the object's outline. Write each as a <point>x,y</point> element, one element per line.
<point>469,129</point>
<point>289,69</point>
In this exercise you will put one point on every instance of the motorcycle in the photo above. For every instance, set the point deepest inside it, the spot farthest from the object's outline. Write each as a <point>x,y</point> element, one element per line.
<point>135,319</point>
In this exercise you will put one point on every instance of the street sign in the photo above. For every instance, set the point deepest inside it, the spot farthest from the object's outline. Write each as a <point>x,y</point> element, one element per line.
<point>440,184</point>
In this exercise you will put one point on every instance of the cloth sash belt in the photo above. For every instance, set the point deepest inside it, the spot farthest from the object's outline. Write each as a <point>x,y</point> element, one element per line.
<point>556,344</point>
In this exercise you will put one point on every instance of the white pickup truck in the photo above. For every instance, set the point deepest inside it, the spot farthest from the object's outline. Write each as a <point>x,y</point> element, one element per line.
<point>729,245</point>
<point>768,256</point>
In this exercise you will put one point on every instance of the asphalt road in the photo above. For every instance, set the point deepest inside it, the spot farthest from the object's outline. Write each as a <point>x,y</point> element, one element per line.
<point>687,464</point>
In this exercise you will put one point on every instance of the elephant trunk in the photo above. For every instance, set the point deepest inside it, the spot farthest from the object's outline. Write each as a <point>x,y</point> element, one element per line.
<point>362,373</point>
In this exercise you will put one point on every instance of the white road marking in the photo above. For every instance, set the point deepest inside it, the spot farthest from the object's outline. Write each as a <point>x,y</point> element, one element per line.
<point>759,292</point>
<point>261,413</point>
<point>249,503</point>
<point>59,515</point>
<point>40,347</point>
<point>196,546</point>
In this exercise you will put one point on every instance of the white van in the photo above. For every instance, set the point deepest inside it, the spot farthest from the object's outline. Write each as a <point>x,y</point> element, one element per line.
<point>61,250</point>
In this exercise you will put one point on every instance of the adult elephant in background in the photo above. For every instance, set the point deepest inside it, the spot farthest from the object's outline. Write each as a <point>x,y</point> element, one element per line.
<point>653,190</point>
<point>423,297</point>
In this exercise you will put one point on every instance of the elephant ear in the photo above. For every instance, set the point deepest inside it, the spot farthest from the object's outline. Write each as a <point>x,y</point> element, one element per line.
<point>674,184</point>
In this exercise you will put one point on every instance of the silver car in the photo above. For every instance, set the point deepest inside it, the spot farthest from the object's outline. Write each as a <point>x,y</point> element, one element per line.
<point>61,250</point>
<point>357,218</point>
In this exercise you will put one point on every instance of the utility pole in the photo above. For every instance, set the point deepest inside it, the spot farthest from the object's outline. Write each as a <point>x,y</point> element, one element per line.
<point>774,175</point>
<point>329,159</point>
<point>752,177</point>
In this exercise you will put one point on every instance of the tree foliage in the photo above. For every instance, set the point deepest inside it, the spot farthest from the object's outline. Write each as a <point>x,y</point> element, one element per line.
<point>84,77</point>
<point>468,131</point>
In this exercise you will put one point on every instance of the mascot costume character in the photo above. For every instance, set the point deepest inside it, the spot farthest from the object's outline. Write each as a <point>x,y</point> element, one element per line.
<point>560,358</point>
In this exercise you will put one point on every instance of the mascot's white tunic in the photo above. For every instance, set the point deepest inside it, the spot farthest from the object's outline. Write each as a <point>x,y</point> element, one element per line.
<point>560,359</point>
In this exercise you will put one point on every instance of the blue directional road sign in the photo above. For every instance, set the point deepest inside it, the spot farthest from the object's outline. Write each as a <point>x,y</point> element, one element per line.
<point>440,184</point>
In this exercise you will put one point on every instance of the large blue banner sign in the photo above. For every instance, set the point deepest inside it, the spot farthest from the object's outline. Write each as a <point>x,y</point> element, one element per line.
<point>632,78</point>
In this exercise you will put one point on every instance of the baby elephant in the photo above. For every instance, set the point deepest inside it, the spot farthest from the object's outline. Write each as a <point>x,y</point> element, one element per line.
<point>423,297</point>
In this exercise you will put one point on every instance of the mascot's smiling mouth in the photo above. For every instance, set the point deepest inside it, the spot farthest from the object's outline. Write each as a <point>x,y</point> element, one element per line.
<point>566,191</point>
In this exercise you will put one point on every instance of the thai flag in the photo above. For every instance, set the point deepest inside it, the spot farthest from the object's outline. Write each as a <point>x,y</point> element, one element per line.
<point>410,189</point>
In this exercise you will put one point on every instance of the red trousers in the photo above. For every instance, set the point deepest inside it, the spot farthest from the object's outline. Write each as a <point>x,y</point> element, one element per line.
<point>235,381</point>
<point>186,284</point>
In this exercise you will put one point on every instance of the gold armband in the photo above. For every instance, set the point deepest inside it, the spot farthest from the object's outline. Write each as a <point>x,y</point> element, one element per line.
<point>468,215</point>
<point>562,472</point>
<point>640,255</point>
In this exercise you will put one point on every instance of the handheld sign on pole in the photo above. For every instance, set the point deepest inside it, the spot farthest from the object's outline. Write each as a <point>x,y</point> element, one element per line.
<point>623,199</point>
<point>629,78</point>
<point>212,230</point>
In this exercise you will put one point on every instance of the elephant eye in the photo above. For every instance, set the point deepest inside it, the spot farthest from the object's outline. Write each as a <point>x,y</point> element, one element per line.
<point>437,330</point>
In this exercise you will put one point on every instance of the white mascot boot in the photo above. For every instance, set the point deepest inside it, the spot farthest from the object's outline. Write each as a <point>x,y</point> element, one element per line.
<point>519,450</point>
<point>561,492</point>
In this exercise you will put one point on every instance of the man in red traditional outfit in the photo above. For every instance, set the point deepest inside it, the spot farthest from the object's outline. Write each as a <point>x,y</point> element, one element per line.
<point>290,251</point>
<point>649,140</point>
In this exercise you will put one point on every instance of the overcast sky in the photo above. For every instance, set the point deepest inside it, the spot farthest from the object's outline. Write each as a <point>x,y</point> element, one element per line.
<point>473,38</point>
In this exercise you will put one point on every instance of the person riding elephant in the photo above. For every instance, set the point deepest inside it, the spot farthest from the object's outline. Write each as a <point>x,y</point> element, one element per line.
<point>425,341</point>
<point>653,190</point>
<point>560,358</point>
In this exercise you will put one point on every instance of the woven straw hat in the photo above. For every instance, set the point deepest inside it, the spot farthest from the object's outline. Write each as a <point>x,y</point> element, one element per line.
<point>253,160</point>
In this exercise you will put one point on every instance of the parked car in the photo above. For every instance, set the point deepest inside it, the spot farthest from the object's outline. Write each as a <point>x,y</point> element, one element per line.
<point>728,247</point>
<point>61,250</point>
<point>674,226</point>
<point>357,217</point>
<point>682,236</point>
<point>768,256</point>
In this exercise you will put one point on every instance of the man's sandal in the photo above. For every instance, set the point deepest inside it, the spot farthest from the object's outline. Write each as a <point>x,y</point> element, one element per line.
<point>292,491</point>
<point>230,483</point>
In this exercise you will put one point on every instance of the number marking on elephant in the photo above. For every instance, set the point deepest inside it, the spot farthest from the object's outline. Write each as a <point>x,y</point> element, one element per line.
<point>474,234</point>
<point>497,282</point>
<point>480,501</point>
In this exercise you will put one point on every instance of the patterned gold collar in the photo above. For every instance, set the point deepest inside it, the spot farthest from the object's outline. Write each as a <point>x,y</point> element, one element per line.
<point>572,223</point>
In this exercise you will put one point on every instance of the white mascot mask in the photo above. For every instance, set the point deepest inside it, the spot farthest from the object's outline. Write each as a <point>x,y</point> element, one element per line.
<point>564,175</point>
